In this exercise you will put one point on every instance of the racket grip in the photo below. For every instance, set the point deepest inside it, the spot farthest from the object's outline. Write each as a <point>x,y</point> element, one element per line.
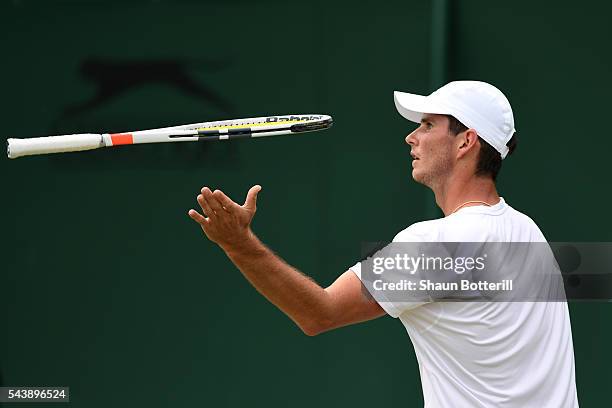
<point>53,144</point>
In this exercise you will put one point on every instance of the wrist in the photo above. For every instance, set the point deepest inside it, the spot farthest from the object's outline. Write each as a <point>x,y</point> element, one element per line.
<point>246,243</point>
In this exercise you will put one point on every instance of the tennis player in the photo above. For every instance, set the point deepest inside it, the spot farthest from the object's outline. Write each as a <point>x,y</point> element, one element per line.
<point>470,354</point>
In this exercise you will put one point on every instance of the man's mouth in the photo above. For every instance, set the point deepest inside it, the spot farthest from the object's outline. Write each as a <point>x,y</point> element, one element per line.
<point>414,156</point>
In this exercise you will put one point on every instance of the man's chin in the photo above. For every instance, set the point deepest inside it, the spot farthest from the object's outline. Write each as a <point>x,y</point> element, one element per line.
<point>421,178</point>
<point>416,176</point>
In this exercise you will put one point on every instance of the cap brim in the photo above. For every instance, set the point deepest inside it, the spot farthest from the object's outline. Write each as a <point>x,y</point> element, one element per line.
<point>412,106</point>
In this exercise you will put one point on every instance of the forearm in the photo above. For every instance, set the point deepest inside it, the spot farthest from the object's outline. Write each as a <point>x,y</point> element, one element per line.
<point>311,307</point>
<point>298,296</point>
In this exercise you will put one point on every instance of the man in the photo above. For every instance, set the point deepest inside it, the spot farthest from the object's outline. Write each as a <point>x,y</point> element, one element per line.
<point>471,354</point>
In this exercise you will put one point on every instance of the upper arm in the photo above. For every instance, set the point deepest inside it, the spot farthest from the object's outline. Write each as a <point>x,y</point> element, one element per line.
<point>351,302</point>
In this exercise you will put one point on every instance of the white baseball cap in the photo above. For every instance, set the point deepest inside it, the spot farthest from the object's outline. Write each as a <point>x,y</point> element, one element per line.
<point>478,105</point>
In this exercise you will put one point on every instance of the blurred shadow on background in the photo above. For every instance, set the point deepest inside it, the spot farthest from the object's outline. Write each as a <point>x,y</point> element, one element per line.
<point>113,78</point>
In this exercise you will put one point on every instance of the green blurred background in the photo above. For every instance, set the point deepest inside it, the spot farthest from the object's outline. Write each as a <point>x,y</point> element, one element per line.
<point>109,288</point>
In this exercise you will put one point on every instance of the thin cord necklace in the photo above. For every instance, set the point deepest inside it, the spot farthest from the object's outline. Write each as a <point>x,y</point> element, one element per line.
<point>470,202</point>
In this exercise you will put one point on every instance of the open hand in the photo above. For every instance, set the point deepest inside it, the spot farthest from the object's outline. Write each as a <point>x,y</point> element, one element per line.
<point>224,221</point>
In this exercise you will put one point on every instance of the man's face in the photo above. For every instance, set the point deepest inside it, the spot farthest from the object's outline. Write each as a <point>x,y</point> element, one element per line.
<point>431,148</point>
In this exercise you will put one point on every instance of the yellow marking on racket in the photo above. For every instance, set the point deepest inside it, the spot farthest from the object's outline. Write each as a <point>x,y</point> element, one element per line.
<point>242,125</point>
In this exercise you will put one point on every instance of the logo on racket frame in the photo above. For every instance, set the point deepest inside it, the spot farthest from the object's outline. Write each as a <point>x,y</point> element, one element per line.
<point>272,119</point>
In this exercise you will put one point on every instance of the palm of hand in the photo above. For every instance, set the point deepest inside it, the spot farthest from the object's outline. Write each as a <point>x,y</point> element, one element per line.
<point>224,221</point>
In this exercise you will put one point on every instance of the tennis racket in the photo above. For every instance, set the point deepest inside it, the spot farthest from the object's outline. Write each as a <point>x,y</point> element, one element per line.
<point>195,132</point>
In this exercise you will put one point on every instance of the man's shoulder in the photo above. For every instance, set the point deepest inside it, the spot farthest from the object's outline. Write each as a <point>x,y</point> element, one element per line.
<point>440,229</point>
<point>476,225</point>
<point>422,231</point>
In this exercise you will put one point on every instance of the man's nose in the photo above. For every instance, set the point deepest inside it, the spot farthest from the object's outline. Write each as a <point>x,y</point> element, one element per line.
<point>411,139</point>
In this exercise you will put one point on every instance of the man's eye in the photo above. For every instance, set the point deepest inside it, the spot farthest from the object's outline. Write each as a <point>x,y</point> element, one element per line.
<point>428,125</point>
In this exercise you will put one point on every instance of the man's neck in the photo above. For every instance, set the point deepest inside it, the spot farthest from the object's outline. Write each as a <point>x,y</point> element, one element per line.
<point>458,190</point>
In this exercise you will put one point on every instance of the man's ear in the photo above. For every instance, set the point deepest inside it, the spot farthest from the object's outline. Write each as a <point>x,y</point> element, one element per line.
<point>467,143</point>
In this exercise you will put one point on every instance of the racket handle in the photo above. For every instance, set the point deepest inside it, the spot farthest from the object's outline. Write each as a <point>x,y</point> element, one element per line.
<point>53,144</point>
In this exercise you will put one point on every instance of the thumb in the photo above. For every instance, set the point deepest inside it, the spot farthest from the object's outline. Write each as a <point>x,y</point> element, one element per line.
<point>251,199</point>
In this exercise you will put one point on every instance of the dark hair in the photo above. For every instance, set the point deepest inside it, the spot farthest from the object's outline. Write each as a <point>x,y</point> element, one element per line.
<point>489,159</point>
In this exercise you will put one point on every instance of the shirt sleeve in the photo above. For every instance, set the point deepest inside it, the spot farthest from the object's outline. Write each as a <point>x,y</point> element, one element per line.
<point>412,241</point>
<point>404,300</point>
<point>392,309</point>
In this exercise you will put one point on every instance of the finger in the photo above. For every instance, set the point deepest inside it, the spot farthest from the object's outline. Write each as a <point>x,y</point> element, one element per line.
<point>205,207</point>
<point>251,199</point>
<point>212,201</point>
<point>226,202</point>
<point>197,217</point>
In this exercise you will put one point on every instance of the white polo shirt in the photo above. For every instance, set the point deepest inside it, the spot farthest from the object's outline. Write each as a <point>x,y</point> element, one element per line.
<point>488,354</point>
